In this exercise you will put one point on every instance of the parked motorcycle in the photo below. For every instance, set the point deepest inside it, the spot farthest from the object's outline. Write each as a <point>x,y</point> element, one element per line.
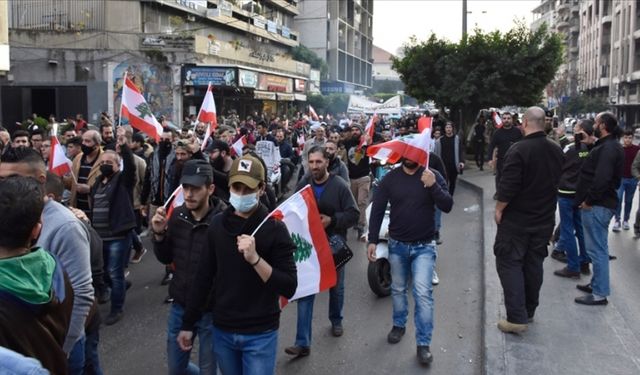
<point>379,272</point>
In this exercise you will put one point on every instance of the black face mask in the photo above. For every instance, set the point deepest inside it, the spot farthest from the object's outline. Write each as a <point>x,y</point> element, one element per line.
<point>410,164</point>
<point>578,137</point>
<point>86,150</point>
<point>218,163</point>
<point>106,170</point>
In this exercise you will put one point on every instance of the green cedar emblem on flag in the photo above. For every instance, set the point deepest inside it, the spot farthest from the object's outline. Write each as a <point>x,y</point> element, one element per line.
<point>303,248</point>
<point>144,110</point>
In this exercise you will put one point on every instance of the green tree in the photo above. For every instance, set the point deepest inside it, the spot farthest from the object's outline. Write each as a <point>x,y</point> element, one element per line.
<point>332,103</point>
<point>303,248</point>
<point>305,55</point>
<point>581,104</point>
<point>482,70</point>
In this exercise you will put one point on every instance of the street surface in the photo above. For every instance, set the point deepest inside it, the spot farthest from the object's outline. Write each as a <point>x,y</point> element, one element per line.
<point>137,344</point>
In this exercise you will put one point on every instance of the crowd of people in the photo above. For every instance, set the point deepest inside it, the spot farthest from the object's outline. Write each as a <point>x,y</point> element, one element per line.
<point>225,279</point>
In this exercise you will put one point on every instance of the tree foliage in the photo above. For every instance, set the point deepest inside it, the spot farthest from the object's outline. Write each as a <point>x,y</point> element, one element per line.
<point>482,70</point>
<point>332,103</point>
<point>582,104</point>
<point>305,55</point>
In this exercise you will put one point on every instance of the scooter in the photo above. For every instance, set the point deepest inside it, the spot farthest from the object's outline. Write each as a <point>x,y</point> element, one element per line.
<point>379,272</point>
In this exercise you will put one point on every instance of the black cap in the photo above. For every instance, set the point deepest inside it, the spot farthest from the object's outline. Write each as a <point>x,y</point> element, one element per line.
<point>196,172</point>
<point>548,113</point>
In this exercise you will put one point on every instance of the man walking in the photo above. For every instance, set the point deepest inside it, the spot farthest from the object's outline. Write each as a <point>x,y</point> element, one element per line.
<point>451,151</point>
<point>501,140</point>
<point>597,195</point>
<point>629,183</point>
<point>525,214</point>
<point>179,239</point>
<point>413,193</point>
<point>338,212</point>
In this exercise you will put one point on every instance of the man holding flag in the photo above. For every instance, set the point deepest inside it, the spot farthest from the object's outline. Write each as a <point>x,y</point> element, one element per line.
<point>249,257</point>
<point>338,212</point>
<point>413,192</point>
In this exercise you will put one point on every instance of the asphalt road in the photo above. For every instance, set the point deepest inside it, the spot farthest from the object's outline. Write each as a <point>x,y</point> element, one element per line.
<point>137,344</point>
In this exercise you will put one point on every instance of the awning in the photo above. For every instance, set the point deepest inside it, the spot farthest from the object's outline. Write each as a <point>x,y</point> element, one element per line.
<point>285,97</point>
<point>264,95</point>
<point>300,97</point>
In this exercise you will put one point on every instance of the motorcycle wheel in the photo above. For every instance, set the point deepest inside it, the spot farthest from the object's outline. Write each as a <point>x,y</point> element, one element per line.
<point>379,277</point>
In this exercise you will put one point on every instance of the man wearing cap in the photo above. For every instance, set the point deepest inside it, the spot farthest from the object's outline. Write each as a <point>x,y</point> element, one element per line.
<point>250,261</point>
<point>179,239</point>
<point>597,195</point>
<point>570,215</point>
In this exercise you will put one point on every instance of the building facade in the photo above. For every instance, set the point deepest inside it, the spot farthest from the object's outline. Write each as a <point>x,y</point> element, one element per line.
<point>385,79</point>
<point>340,32</point>
<point>70,56</point>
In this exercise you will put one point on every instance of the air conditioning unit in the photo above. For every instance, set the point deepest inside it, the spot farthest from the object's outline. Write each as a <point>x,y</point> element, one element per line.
<point>191,18</point>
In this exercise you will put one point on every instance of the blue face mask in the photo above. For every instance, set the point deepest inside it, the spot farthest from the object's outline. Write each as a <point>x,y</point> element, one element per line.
<point>243,203</point>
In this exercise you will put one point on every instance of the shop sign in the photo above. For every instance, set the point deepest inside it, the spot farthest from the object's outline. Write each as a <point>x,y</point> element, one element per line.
<point>201,76</point>
<point>272,27</point>
<point>262,95</point>
<point>192,4</point>
<point>259,22</point>
<point>269,82</point>
<point>300,84</point>
<point>262,55</point>
<point>248,78</point>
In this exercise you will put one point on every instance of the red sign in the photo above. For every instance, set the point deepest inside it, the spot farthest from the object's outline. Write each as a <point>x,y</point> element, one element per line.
<point>300,85</point>
<point>273,83</point>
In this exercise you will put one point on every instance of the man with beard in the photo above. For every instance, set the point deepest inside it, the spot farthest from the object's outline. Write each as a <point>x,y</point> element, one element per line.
<point>358,166</point>
<point>412,192</point>
<point>336,166</point>
<point>106,130</point>
<point>201,129</point>
<point>220,159</point>
<point>113,217</point>
<point>286,157</point>
<point>86,170</point>
<point>451,150</point>
<point>179,239</point>
<point>338,212</point>
<point>501,140</point>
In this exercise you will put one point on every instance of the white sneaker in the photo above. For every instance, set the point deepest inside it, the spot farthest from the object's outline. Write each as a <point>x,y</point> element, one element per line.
<point>436,279</point>
<point>625,225</point>
<point>616,226</point>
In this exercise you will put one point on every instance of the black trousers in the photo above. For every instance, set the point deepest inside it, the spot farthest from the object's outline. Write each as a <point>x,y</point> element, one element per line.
<point>479,153</point>
<point>519,257</point>
<point>452,176</point>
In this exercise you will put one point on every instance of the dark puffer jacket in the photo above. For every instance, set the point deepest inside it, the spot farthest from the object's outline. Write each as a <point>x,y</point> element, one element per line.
<point>182,245</point>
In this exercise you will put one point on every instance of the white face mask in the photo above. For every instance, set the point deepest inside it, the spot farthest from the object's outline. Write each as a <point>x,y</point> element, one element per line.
<point>243,203</point>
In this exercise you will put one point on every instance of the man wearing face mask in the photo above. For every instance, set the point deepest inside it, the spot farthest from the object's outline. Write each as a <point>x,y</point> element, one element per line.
<point>113,217</point>
<point>250,273</point>
<point>597,195</point>
<point>86,169</point>
<point>412,192</point>
<point>570,215</point>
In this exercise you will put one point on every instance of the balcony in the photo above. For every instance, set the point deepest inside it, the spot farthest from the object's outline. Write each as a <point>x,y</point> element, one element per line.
<point>574,49</point>
<point>603,82</point>
<point>563,7</point>
<point>288,6</point>
<point>562,25</point>
<point>606,19</point>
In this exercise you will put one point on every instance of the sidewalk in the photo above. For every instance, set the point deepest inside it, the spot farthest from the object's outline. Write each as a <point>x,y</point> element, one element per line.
<point>566,338</point>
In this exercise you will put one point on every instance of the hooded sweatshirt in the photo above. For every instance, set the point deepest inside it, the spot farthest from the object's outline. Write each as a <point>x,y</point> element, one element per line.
<point>36,300</point>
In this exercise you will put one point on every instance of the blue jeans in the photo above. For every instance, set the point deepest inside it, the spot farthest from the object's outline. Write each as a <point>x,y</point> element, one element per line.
<point>115,257</point>
<point>570,229</point>
<point>15,363</point>
<point>413,261</point>
<point>305,311</point>
<point>246,354</point>
<point>92,360</point>
<point>627,189</point>
<point>178,360</point>
<point>596,231</point>
<point>76,357</point>
<point>438,219</point>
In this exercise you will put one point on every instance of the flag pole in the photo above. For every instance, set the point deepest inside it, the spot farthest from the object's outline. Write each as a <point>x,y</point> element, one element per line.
<point>124,82</point>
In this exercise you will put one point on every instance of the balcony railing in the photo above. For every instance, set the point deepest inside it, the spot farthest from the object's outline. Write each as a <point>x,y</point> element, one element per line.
<point>57,15</point>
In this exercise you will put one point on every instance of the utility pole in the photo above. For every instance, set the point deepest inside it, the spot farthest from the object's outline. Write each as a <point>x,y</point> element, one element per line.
<point>464,18</point>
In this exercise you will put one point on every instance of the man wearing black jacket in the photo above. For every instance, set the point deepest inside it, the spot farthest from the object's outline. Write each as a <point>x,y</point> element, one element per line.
<point>597,195</point>
<point>501,140</point>
<point>113,217</point>
<point>179,239</point>
<point>250,259</point>
<point>525,215</point>
<point>338,212</point>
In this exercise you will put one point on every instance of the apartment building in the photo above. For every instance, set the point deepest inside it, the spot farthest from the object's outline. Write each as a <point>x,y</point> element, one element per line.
<point>341,32</point>
<point>69,56</point>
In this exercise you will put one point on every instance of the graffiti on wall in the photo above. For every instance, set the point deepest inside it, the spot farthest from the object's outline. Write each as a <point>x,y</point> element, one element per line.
<point>153,81</point>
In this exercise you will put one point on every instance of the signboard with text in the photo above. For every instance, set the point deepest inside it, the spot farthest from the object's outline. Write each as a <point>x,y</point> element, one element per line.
<point>247,78</point>
<point>201,76</point>
<point>269,82</point>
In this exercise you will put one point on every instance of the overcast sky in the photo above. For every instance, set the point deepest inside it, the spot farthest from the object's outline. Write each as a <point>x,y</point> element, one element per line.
<point>394,21</point>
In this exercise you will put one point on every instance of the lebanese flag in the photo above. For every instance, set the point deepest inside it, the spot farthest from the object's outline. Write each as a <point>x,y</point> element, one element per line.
<point>414,147</point>
<point>497,119</point>
<point>207,135</point>
<point>58,162</point>
<point>237,146</point>
<point>313,114</point>
<point>369,130</point>
<point>300,142</point>
<point>175,200</point>
<point>424,122</point>
<point>313,256</point>
<point>137,111</point>
<point>207,112</point>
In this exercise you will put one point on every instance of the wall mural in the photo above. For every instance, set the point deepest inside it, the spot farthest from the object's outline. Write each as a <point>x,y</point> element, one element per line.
<point>153,81</point>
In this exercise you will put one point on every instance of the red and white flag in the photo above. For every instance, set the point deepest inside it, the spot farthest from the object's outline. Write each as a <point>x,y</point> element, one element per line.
<point>497,119</point>
<point>135,108</point>
<point>175,200</point>
<point>58,161</point>
<point>237,146</point>
<point>424,122</point>
<point>313,256</point>
<point>207,135</point>
<point>207,112</point>
<point>313,114</point>
<point>369,130</point>
<point>414,147</point>
<point>300,141</point>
